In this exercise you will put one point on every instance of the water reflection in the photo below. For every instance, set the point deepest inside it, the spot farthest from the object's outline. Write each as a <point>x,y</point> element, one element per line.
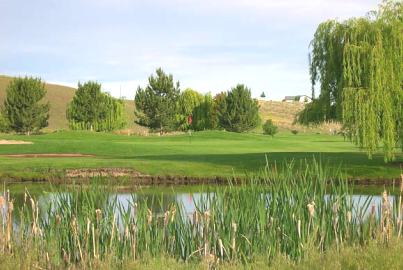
<point>159,200</point>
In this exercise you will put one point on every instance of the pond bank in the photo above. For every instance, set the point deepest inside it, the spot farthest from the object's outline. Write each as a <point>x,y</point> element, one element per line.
<point>131,177</point>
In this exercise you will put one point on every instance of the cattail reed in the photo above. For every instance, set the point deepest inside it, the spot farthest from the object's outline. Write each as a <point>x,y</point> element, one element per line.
<point>278,213</point>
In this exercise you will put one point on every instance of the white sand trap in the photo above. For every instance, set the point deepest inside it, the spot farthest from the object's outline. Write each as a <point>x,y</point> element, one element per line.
<point>4,142</point>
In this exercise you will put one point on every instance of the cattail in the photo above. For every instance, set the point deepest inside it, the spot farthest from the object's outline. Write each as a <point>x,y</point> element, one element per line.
<point>166,218</point>
<point>233,242</point>
<point>401,183</point>
<point>221,246</point>
<point>195,217</point>
<point>173,212</point>
<point>2,202</point>
<point>311,209</point>
<point>73,225</point>
<point>88,226</point>
<point>98,214</point>
<point>9,223</point>
<point>33,208</point>
<point>349,216</point>
<point>373,210</point>
<point>66,258</point>
<point>58,220</point>
<point>149,216</point>
<point>207,215</point>
<point>113,230</point>
<point>299,228</point>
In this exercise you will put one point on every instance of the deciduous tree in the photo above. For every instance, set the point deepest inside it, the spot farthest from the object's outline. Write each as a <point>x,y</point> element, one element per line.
<point>358,64</point>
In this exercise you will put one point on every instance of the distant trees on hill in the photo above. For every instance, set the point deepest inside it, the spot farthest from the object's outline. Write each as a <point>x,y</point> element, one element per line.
<point>161,106</point>
<point>24,110</point>
<point>92,109</point>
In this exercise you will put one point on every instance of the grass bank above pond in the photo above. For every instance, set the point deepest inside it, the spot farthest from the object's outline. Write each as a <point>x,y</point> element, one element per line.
<point>205,154</point>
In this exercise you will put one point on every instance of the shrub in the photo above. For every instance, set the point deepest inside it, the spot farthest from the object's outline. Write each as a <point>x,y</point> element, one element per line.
<point>269,128</point>
<point>294,131</point>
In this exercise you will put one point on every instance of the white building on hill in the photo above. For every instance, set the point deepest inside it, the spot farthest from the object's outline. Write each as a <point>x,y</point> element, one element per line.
<point>299,98</point>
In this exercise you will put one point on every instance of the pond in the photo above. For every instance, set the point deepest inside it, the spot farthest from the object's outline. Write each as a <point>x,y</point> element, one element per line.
<point>161,197</point>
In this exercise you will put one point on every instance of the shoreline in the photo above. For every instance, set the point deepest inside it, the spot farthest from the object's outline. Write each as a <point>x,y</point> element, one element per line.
<point>168,180</point>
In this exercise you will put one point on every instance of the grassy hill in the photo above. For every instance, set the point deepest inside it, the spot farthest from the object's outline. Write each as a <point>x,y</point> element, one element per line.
<point>281,113</point>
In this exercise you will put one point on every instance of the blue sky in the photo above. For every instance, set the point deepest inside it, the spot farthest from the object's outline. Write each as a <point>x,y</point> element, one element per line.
<point>208,45</point>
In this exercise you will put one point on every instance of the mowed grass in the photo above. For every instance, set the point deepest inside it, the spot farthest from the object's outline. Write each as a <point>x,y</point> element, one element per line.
<point>205,154</point>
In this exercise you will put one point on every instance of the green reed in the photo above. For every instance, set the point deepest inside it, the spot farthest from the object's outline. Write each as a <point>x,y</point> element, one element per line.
<point>283,210</point>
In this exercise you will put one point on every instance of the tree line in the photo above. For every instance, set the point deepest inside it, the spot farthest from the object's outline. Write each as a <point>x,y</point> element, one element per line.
<point>161,106</point>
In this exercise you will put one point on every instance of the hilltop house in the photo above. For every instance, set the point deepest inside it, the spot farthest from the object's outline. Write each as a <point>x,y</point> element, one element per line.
<point>299,98</point>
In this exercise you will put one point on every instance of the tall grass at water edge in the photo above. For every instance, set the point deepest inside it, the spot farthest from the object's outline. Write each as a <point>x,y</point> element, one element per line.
<point>280,212</point>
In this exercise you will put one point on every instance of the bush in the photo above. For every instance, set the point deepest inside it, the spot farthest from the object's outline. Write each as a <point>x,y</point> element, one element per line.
<point>294,131</point>
<point>269,128</point>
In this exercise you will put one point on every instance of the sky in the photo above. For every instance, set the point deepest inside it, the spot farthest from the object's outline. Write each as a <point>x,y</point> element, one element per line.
<point>208,45</point>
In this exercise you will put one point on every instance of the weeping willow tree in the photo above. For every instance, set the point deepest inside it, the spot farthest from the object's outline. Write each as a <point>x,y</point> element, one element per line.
<point>358,65</point>
<point>91,109</point>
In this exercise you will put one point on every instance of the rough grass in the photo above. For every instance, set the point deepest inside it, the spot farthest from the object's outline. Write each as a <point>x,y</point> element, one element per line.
<point>205,154</point>
<point>373,256</point>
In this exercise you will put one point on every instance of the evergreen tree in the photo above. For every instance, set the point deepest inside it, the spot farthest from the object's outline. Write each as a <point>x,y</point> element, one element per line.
<point>237,111</point>
<point>157,104</point>
<point>91,109</point>
<point>24,111</point>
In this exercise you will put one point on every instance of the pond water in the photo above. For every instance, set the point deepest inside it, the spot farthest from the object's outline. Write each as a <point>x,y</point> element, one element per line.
<point>162,197</point>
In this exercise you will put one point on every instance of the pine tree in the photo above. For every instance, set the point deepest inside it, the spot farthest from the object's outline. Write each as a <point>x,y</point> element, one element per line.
<point>24,110</point>
<point>157,104</point>
<point>237,111</point>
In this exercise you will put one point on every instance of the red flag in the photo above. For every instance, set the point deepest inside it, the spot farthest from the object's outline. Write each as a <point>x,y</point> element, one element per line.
<point>190,119</point>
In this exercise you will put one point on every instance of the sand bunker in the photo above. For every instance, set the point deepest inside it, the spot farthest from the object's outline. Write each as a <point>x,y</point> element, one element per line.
<point>47,155</point>
<point>4,142</point>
